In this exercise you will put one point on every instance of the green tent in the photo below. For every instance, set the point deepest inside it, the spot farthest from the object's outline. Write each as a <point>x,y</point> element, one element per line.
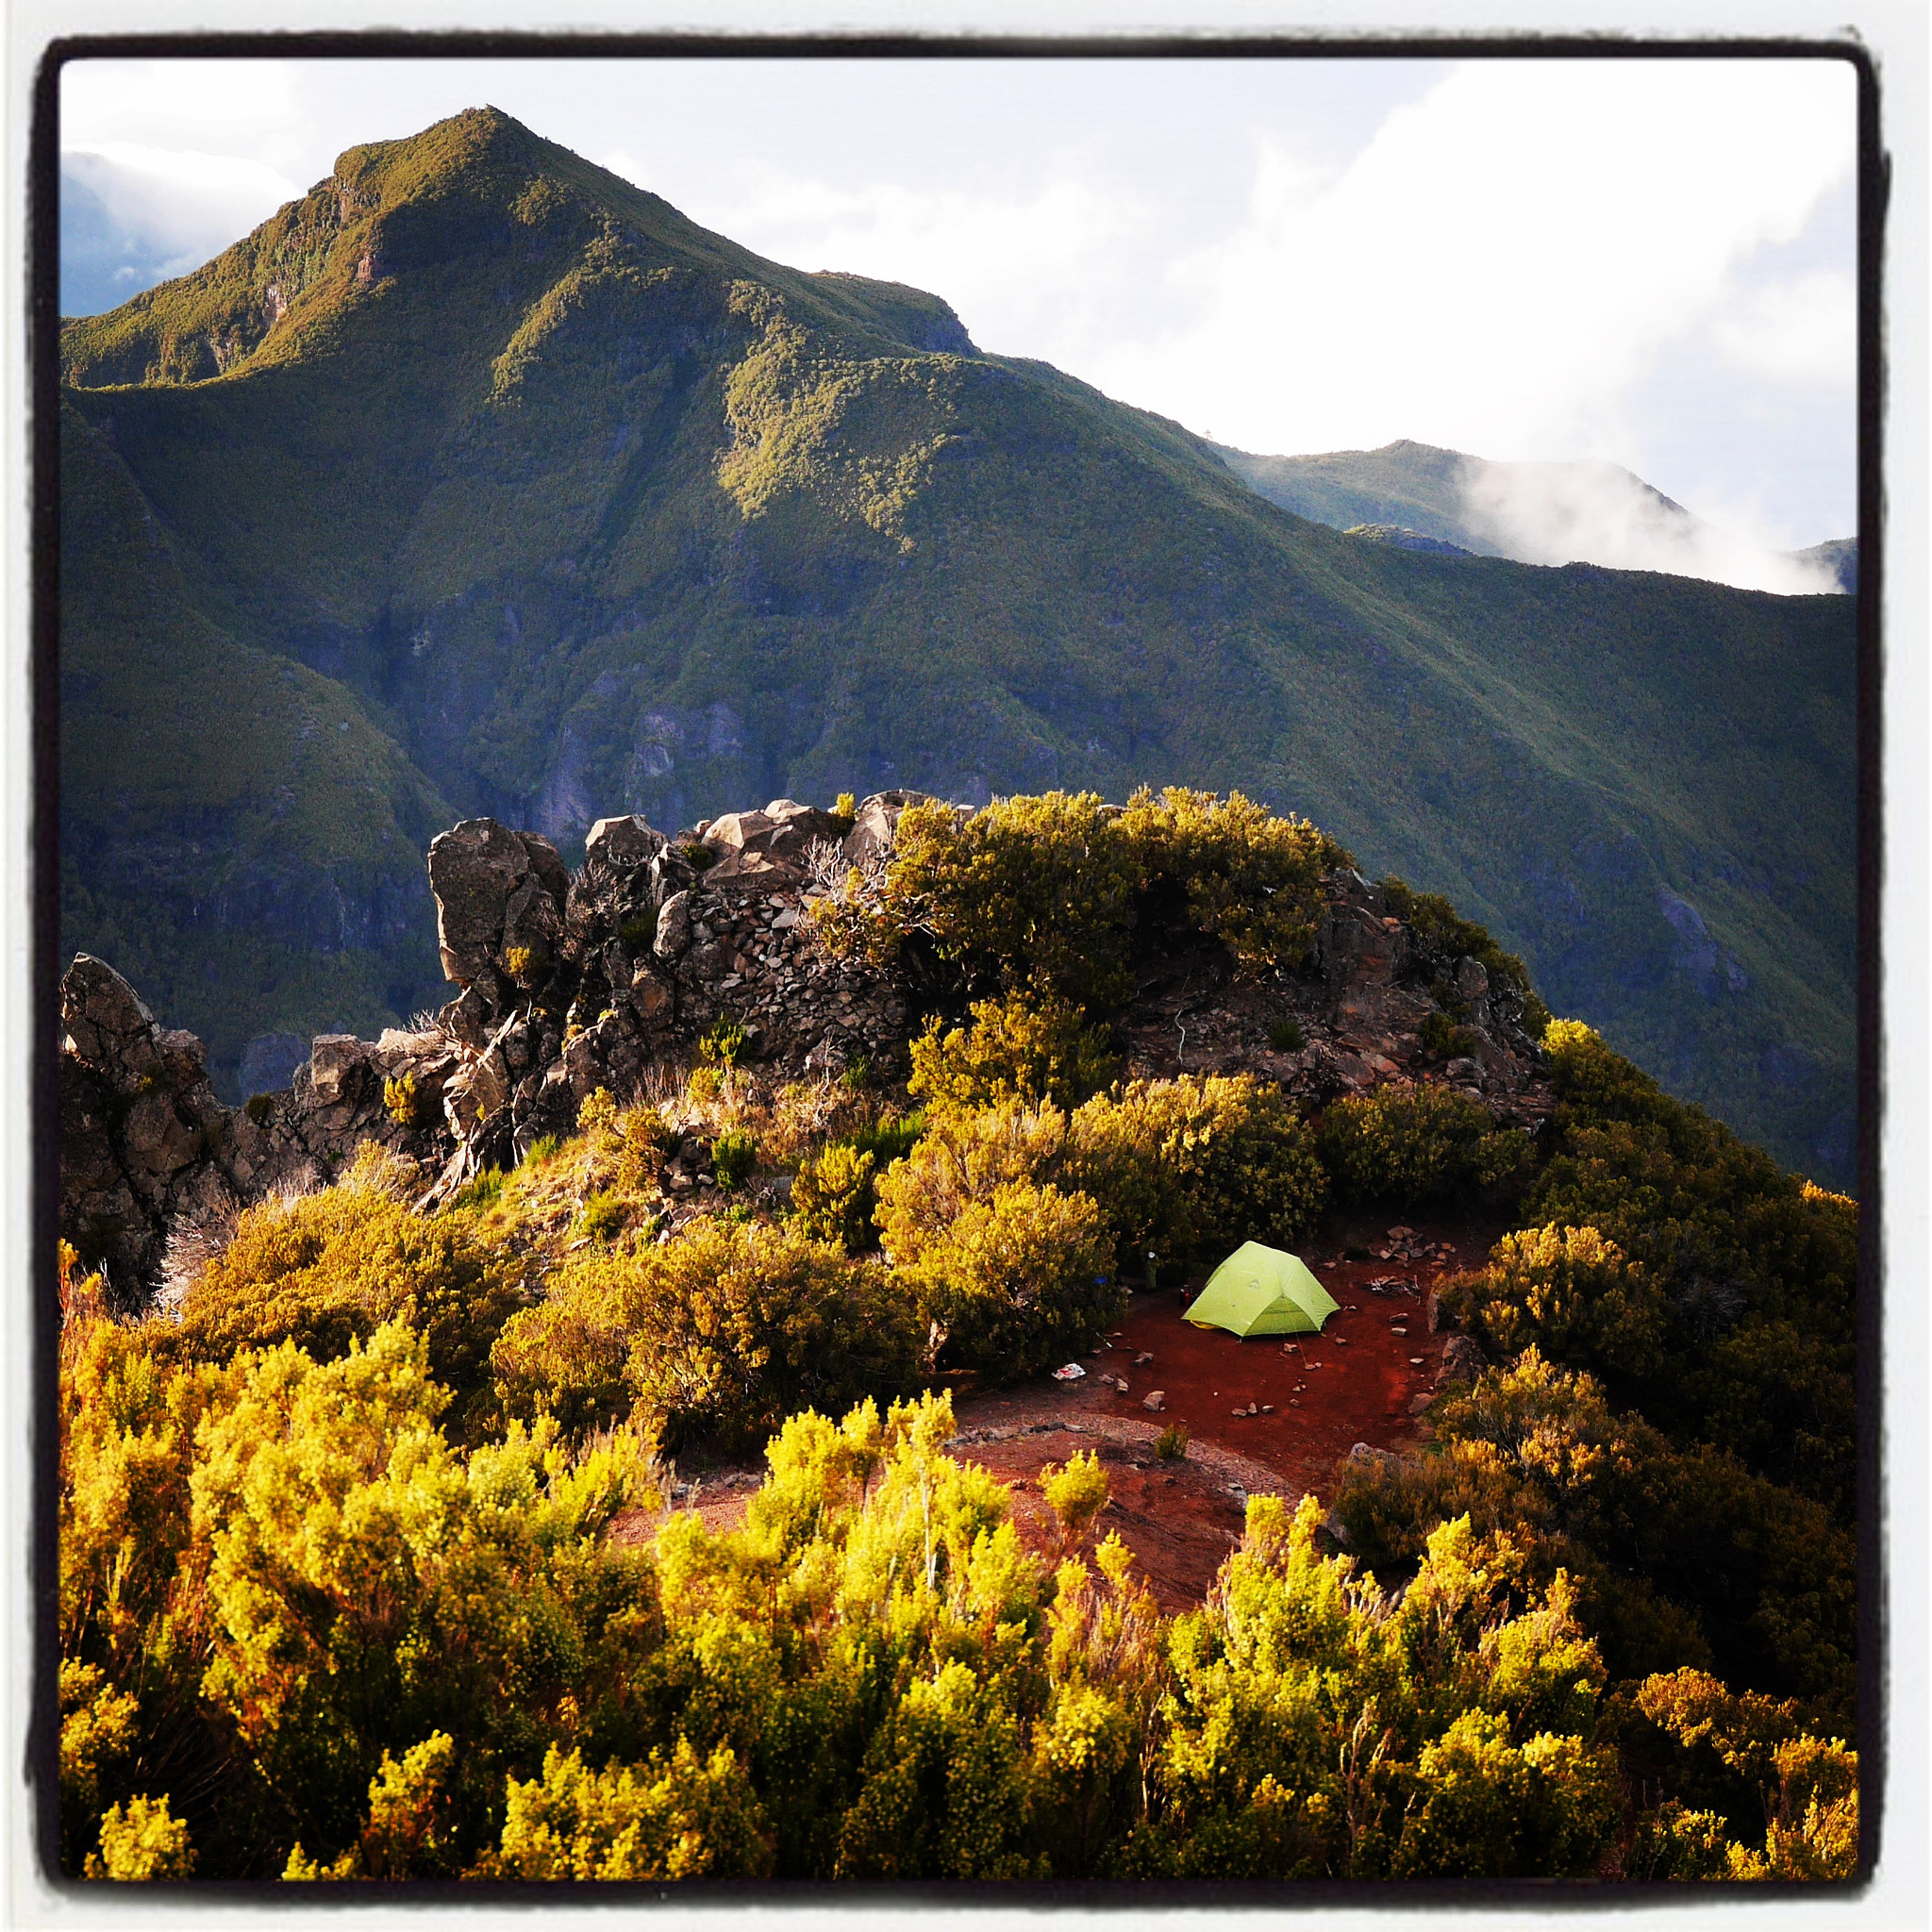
<point>1260,1291</point>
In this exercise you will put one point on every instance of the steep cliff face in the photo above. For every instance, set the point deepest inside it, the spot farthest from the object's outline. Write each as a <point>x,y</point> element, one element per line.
<point>608,977</point>
<point>565,506</point>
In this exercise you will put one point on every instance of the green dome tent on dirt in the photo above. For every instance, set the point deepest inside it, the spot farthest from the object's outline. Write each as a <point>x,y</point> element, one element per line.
<point>1261,1291</point>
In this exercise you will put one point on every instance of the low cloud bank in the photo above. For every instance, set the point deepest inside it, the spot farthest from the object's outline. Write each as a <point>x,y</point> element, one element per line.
<point>1597,512</point>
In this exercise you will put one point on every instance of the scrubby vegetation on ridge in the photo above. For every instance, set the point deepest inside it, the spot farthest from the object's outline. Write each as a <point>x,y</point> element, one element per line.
<point>368,1569</point>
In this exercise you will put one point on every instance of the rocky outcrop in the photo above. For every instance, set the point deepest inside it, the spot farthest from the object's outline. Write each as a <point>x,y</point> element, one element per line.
<point>1350,1019</point>
<point>568,984</point>
<point>149,1150</point>
<point>498,893</point>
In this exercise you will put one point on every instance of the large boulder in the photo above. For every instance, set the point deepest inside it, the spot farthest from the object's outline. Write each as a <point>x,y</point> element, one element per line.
<point>140,1127</point>
<point>624,842</point>
<point>106,1028</point>
<point>777,839</point>
<point>1358,943</point>
<point>496,891</point>
<point>876,823</point>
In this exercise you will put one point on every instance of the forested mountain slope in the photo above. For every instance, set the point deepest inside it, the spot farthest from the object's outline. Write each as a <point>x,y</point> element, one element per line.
<point>557,505</point>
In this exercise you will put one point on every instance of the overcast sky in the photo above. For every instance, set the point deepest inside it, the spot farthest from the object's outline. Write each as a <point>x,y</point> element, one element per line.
<point>1652,261</point>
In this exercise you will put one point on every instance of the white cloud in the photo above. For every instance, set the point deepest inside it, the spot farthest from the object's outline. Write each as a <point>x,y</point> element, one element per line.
<point>184,206</point>
<point>1500,267</point>
<point>1051,263</point>
<point>1599,513</point>
<point>1801,330</point>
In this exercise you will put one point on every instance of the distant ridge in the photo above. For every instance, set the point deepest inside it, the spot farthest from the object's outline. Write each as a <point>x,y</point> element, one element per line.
<point>1838,555</point>
<point>1546,513</point>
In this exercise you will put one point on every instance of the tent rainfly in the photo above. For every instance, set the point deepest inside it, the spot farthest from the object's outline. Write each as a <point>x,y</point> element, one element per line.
<point>1260,1291</point>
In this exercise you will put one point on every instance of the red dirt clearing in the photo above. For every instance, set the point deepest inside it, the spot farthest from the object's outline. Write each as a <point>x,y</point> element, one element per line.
<point>1361,1380</point>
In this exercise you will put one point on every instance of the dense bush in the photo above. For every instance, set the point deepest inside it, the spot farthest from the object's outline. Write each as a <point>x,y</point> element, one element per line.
<point>1188,1168</point>
<point>960,1160</point>
<point>1568,1293</point>
<point>328,1269</point>
<point>1046,892</point>
<point>1759,1270</point>
<point>1030,892</point>
<point>1684,1555</point>
<point>1318,1732</point>
<point>1410,1147</point>
<point>1249,878</point>
<point>723,1332</point>
<point>1192,1167</point>
<point>1022,1048</point>
<point>1805,1787</point>
<point>1017,1281</point>
<point>275,1570</point>
<point>833,1197</point>
<point>673,1817</point>
<point>734,1154</point>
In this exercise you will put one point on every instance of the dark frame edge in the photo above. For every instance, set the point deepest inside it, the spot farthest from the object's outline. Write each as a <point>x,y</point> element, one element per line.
<point>43,383</point>
<point>1874,194</point>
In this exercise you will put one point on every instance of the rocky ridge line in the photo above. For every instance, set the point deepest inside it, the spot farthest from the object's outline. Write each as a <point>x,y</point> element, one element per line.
<point>610,977</point>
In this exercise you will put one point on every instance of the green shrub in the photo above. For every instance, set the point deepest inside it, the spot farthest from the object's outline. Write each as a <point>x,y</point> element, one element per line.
<point>602,1216</point>
<point>1440,1034</point>
<point>962,1159</point>
<point>638,931</point>
<point>734,1154</point>
<point>1198,1165</point>
<point>401,1100</point>
<point>1249,878</point>
<point>833,1198</point>
<point>645,1142</point>
<point>855,1074</point>
<point>1760,1270</point>
<point>1285,1035</point>
<point>1017,1281</point>
<point>330,1268</point>
<point>1046,892</point>
<point>543,1150</point>
<point>523,964</point>
<point>1407,1146</point>
<point>1684,1556</point>
<point>888,1139</point>
<point>676,1817</point>
<point>1030,1049</point>
<point>1171,1445</point>
<point>724,1331</point>
<point>1571,1294</point>
<point>1077,1492</point>
<point>260,1107</point>
<point>145,1841</point>
<point>482,1190</point>
<point>1482,1697</point>
<point>845,810</point>
<point>722,1043</point>
<point>1184,1167</point>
